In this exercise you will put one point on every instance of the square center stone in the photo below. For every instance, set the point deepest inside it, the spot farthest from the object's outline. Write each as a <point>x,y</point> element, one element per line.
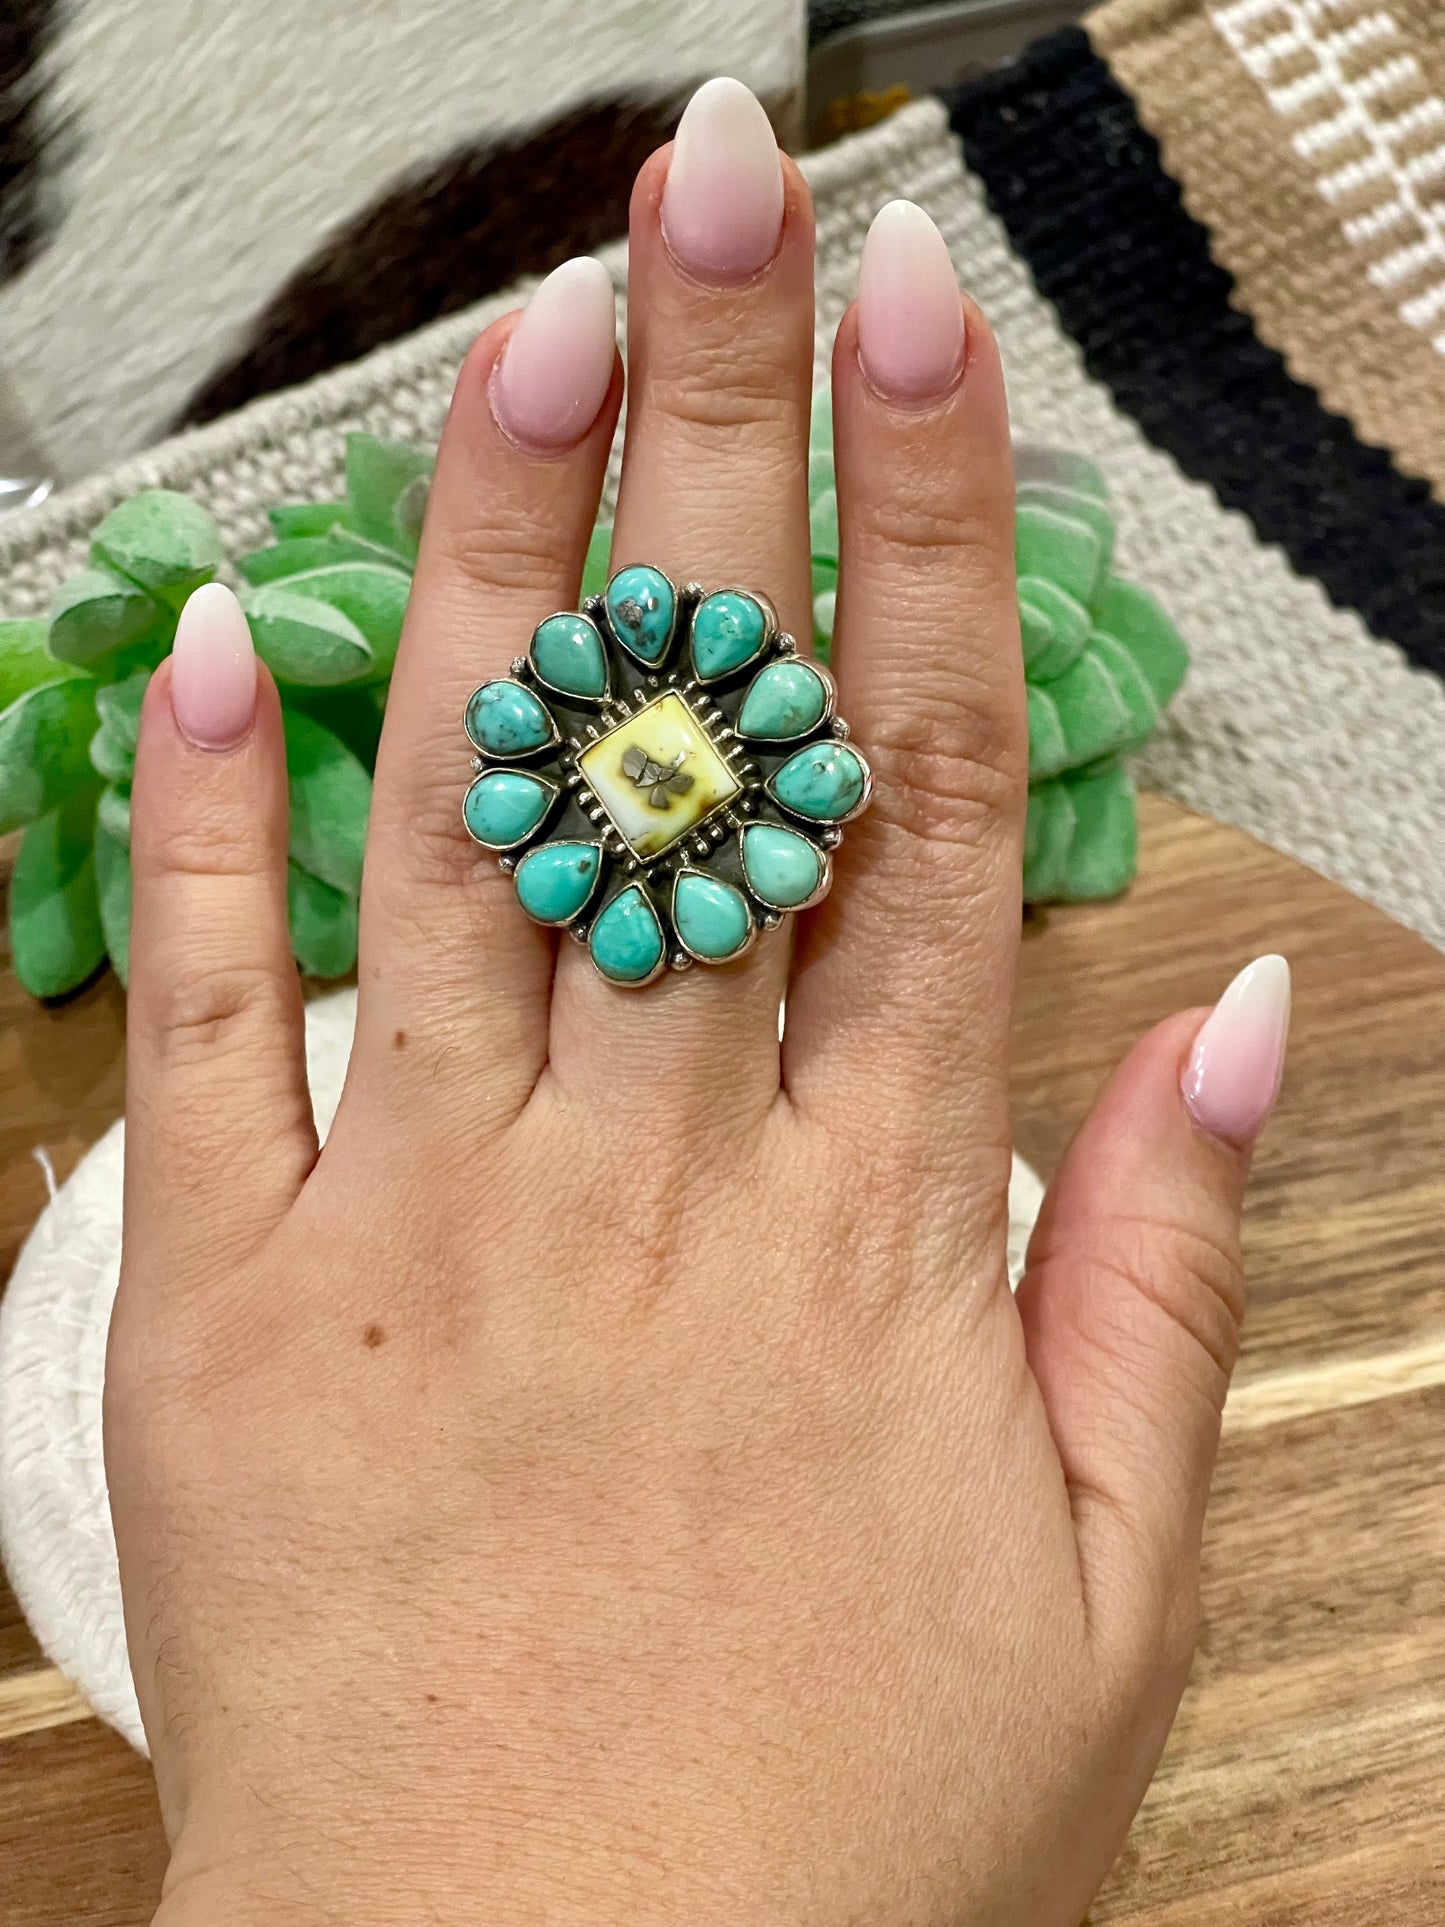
<point>657,775</point>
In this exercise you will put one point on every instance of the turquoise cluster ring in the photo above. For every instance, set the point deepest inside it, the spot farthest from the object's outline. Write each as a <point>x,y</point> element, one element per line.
<point>662,775</point>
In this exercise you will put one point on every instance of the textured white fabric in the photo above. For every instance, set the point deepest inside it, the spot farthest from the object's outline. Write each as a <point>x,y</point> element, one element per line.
<point>55,1531</point>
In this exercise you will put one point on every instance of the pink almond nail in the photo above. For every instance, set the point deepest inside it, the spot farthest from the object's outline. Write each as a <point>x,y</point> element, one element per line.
<point>722,205</point>
<point>1233,1076</point>
<point>910,317</point>
<point>550,384</point>
<point>213,670</point>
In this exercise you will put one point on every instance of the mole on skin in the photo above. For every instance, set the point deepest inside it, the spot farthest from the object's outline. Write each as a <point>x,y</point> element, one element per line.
<point>372,1337</point>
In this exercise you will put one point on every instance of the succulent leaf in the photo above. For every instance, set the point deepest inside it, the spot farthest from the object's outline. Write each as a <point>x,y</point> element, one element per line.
<point>303,640</point>
<point>371,596</point>
<point>1061,548</point>
<point>297,519</point>
<point>112,877</point>
<point>1104,850</point>
<point>323,924</point>
<point>594,569</point>
<point>1035,463</point>
<point>44,742</point>
<point>112,812</point>
<point>1048,745</point>
<point>1132,616</point>
<point>56,940</point>
<point>98,613</point>
<point>1137,696</point>
<point>1055,627</point>
<point>25,662</point>
<point>118,705</point>
<point>330,794</point>
<point>386,487</point>
<point>1048,833</point>
<point>299,554</point>
<point>162,540</point>
<point>1092,715</point>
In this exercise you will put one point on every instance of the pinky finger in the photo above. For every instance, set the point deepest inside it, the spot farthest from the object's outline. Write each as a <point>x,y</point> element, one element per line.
<point>219,1133</point>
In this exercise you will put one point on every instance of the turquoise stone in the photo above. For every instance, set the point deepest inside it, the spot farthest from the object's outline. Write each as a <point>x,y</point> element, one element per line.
<point>712,917</point>
<point>728,630</point>
<point>785,700</point>
<point>555,880</point>
<point>504,719</point>
<point>626,940</point>
<point>503,807</point>
<point>567,654</point>
<point>641,607</point>
<point>823,782</point>
<point>783,869</point>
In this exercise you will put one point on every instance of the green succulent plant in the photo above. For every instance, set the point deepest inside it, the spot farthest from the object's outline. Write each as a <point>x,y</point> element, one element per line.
<point>325,600</point>
<point>1101,662</point>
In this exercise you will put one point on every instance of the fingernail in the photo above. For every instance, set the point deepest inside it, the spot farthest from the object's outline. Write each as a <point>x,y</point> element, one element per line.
<point>1234,1070</point>
<point>722,206</point>
<point>550,384</point>
<point>910,317</point>
<point>213,670</point>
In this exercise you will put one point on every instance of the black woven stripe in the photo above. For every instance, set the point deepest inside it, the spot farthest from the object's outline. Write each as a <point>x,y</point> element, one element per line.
<point>1079,185</point>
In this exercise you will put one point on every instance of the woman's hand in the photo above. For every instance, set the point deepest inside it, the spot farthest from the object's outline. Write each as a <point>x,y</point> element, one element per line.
<point>612,1482</point>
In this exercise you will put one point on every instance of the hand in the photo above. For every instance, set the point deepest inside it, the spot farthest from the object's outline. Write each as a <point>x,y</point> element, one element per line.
<point>612,1481</point>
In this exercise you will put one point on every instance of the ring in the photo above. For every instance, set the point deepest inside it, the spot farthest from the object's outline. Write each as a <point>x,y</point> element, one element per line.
<point>662,775</point>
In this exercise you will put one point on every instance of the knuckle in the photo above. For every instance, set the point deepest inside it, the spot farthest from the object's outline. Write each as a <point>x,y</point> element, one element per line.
<point>952,767</point>
<point>508,550</point>
<point>196,1016</point>
<point>723,385</point>
<point>208,838</point>
<point>915,523</point>
<point>1196,1280</point>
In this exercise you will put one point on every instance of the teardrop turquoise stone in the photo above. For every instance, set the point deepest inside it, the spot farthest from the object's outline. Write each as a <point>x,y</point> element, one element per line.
<point>567,654</point>
<point>728,630</point>
<point>555,880</point>
<point>504,719</point>
<point>712,917</point>
<point>626,940</point>
<point>503,807</point>
<point>783,869</point>
<point>822,782</point>
<point>784,700</point>
<point>641,608</point>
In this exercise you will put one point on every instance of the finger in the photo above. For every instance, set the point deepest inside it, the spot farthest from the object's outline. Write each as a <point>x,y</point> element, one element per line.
<point>454,978</point>
<point>714,489</point>
<point>219,1136</point>
<point>1133,1294</point>
<point>905,974</point>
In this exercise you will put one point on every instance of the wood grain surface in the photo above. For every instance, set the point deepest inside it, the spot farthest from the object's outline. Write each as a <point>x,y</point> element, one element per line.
<point>1305,1780</point>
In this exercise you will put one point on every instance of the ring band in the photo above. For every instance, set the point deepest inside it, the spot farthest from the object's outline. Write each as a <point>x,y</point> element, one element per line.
<point>662,774</point>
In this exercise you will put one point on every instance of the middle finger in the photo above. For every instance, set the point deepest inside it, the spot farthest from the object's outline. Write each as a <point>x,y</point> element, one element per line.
<point>714,490</point>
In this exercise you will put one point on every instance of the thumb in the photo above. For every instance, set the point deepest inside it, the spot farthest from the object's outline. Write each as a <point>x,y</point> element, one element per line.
<point>1133,1295</point>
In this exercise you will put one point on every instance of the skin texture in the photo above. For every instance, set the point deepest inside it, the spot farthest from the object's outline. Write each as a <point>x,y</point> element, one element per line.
<point>612,1482</point>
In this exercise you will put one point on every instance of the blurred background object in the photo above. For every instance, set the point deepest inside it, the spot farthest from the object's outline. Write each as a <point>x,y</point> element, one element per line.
<point>201,203</point>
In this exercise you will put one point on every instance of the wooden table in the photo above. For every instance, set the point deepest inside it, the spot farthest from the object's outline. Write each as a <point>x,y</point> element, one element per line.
<point>1305,1782</point>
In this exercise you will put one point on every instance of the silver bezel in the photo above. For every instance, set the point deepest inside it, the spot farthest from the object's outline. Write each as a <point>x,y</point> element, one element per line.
<point>556,689</point>
<point>771,634</point>
<point>830,702</point>
<point>825,870</point>
<point>648,663</point>
<point>517,755</point>
<point>634,983</point>
<point>513,864</point>
<point>696,956</point>
<point>554,790</point>
<point>825,823</point>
